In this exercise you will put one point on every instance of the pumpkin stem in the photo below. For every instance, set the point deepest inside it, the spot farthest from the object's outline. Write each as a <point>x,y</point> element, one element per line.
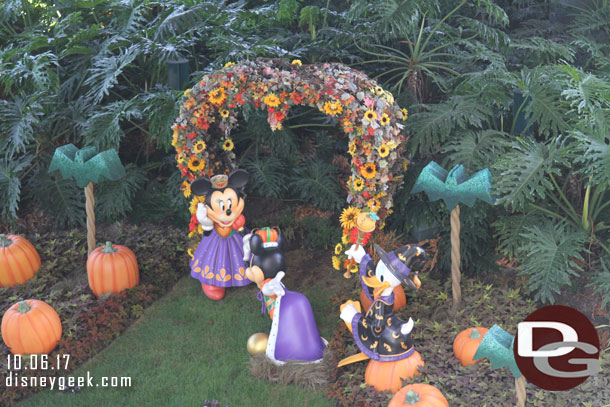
<point>5,241</point>
<point>23,307</point>
<point>475,334</point>
<point>108,248</point>
<point>411,397</point>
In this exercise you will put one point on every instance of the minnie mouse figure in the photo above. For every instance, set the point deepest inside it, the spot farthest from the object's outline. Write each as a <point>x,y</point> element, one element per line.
<point>294,334</point>
<point>219,259</point>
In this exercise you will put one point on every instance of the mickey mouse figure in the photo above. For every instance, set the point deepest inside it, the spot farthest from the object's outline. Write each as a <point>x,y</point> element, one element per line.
<point>294,334</point>
<point>219,259</point>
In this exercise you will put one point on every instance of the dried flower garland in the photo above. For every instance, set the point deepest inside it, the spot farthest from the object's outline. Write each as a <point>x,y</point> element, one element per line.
<point>365,112</point>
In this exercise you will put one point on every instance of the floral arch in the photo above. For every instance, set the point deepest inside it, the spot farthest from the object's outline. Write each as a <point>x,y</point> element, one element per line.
<point>365,112</point>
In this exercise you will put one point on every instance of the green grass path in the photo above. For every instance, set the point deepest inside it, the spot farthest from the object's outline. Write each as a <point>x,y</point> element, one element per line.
<point>185,349</point>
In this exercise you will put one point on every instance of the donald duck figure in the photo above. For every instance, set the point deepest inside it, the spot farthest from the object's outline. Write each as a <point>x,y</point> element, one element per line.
<point>379,334</point>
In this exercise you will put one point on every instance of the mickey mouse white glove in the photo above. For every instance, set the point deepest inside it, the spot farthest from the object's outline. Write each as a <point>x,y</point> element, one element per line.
<point>275,286</point>
<point>408,327</point>
<point>202,216</point>
<point>355,252</point>
<point>246,246</point>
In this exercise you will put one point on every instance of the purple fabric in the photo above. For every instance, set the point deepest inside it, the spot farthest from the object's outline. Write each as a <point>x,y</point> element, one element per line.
<point>219,261</point>
<point>298,337</point>
<point>398,265</point>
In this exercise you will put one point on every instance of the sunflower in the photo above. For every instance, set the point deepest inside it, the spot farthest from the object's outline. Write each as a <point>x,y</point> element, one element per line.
<point>374,204</point>
<point>181,158</point>
<point>352,147</point>
<point>196,164</point>
<point>353,268</point>
<point>389,97</point>
<point>229,64</point>
<point>217,96</point>
<point>186,189</point>
<point>196,200</point>
<point>344,239</point>
<point>338,249</point>
<point>405,113</point>
<point>224,113</point>
<point>385,119</point>
<point>383,150</point>
<point>199,146</point>
<point>405,163</point>
<point>271,100</point>
<point>369,170</point>
<point>370,115</point>
<point>297,62</point>
<point>228,145</point>
<point>378,90</point>
<point>358,184</point>
<point>333,108</point>
<point>348,217</point>
<point>175,139</point>
<point>336,263</point>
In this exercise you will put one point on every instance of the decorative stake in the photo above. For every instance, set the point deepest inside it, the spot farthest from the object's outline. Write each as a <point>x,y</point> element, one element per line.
<point>454,187</point>
<point>497,346</point>
<point>87,167</point>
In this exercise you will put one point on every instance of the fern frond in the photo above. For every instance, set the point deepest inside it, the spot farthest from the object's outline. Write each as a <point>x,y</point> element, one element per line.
<point>103,128</point>
<point>475,149</point>
<point>266,176</point>
<point>548,50</point>
<point>509,232</point>
<point>585,91</point>
<point>523,172</point>
<point>60,198</point>
<point>315,182</point>
<point>435,123</point>
<point>19,119</point>
<point>551,257</point>
<point>546,109</point>
<point>594,149</point>
<point>10,185</point>
<point>105,70</point>
<point>113,200</point>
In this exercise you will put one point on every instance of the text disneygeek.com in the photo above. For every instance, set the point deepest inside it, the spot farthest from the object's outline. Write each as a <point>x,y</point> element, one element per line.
<point>63,382</point>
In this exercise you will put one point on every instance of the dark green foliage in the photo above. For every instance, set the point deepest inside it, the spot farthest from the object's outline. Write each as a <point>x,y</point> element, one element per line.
<point>553,251</point>
<point>319,232</point>
<point>315,182</point>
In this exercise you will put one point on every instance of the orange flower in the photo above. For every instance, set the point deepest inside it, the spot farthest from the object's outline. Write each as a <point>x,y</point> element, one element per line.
<point>217,96</point>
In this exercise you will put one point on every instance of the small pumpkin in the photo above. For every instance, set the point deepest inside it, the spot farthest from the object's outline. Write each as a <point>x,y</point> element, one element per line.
<point>112,269</point>
<point>388,375</point>
<point>30,327</point>
<point>400,299</point>
<point>466,344</point>
<point>419,395</point>
<point>18,260</point>
<point>268,234</point>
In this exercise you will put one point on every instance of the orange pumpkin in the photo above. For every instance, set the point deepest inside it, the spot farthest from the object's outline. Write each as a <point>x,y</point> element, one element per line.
<point>268,234</point>
<point>388,375</point>
<point>31,326</point>
<point>112,269</point>
<point>420,395</point>
<point>466,344</point>
<point>400,299</point>
<point>18,260</point>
